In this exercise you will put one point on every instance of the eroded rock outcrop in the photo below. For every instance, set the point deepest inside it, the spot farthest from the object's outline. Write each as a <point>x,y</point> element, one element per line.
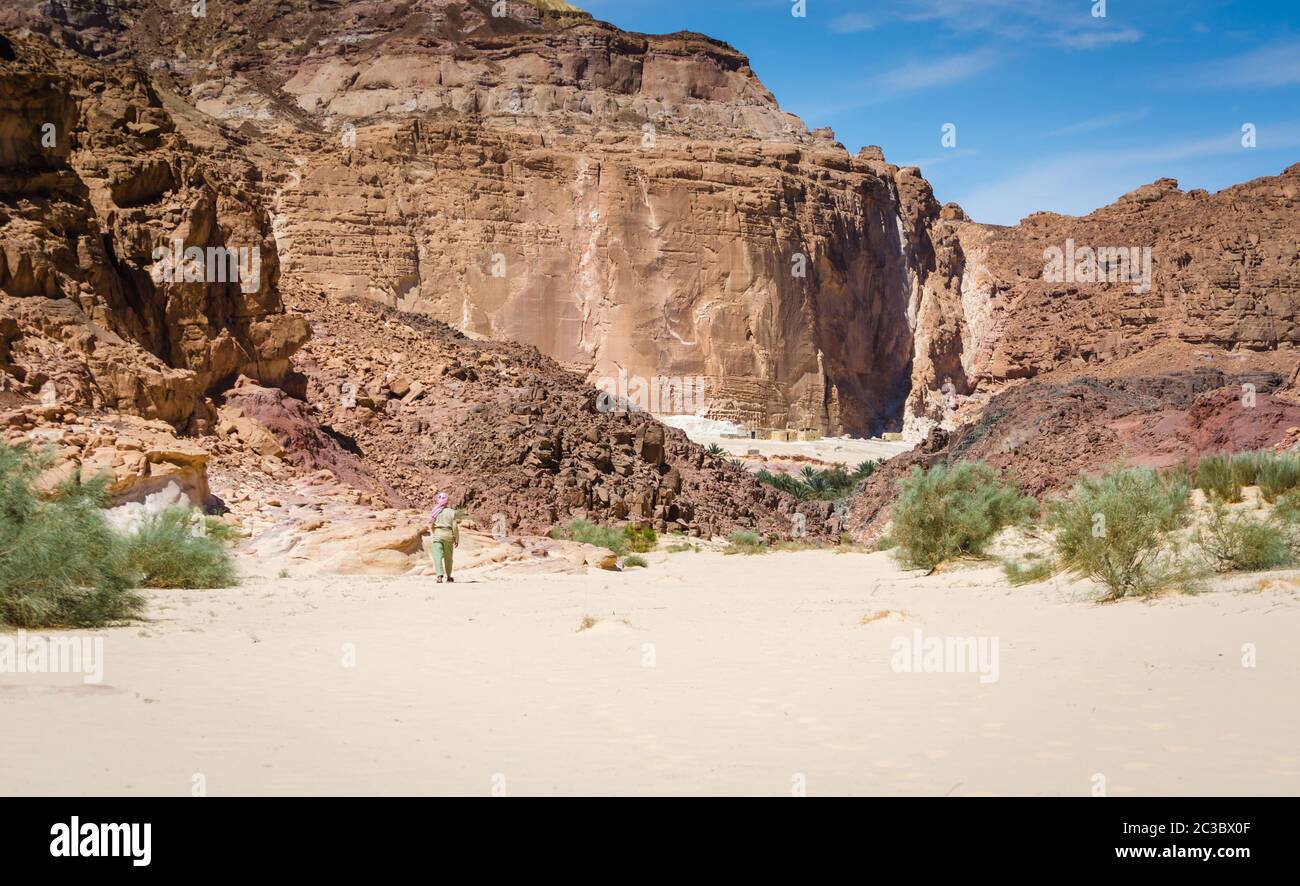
<point>1218,271</point>
<point>519,442</point>
<point>627,203</point>
<point>98,193</point>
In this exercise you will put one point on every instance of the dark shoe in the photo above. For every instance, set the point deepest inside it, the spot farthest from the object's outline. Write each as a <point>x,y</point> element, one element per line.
<point>440,579</point>
<point>449,578</point>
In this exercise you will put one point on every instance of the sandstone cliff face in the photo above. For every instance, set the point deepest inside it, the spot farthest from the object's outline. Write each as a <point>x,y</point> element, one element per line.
<point>515,439</point>
<point>1224,275</point>
<point>627,203</point>
<point>94,177</point>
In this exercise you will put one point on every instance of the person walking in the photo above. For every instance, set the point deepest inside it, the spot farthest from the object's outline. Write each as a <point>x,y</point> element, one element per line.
<point>445,536</point>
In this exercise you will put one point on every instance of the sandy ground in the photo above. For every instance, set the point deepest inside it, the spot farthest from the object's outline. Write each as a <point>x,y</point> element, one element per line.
<point>848,451</point>
<point>703,674</point>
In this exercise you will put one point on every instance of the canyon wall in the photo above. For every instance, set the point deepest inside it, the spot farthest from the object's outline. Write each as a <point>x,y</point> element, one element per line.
<point>1204,274</point>
<point>634,206</point>
<point>629,204</point>
<point>94,177</point>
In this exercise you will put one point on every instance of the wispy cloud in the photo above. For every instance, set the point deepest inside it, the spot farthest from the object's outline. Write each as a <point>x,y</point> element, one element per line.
<point>946,156</point>
<point>944,71</point>
<point>1066,23</point>
<point>1270,66</point>
<point>853,23</point>
<point>1095,124</point>
<point>1098,38</point>
<point>1079,182</point>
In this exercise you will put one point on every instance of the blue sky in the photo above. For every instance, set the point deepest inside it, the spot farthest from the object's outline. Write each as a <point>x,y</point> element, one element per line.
<point>1054,108</point>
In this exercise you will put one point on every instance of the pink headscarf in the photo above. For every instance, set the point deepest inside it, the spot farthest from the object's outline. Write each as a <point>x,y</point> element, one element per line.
<point>439,502</point>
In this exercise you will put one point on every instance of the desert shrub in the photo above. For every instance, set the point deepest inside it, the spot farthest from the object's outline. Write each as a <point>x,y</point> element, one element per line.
<point>953,511</point>
<point>585,531</point>
<point>831,484</point>
<point>642,540</point>
<point>1277,475</point>
<point>866,469</point>
<point>1215,477</point>
<point>1242,543</point>
<point>1287,508</point>
<point>886,542</point>
<point>1223,476</point>
<point>1028,573</point>
<point>745,541</point>
<point>60,562</point>
<point>715,450</point>
<point>796,544</point>
<point>1115,529</point>
<point>1246,467</point>
<point>632,560</point>
<point>166,552</point>
<point>681,547</point>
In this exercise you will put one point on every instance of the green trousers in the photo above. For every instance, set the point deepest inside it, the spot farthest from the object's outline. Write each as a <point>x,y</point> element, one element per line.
<point>440,550</point>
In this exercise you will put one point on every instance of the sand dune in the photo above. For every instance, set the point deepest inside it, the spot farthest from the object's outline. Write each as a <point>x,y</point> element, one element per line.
<point>703,674</point>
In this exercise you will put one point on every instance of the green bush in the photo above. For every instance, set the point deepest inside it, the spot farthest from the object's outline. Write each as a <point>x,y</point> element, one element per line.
<point>1287,508</point>
<point>641,541</point>
<point>166,553</point>
<point>831,484</point>
<point>1216,478</point>
<point>1278,475</point>
<point>953,511</point>
<point>634,560</point>
<point>1223,476</point>
<point>585,531</point>
<point>1241,543</point>
<point>60,562</point>
<point>1116,528</point>
<point>745,541</point>
<point>715,450</point>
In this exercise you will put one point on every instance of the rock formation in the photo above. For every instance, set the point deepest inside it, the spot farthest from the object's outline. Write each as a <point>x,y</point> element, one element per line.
<point>95,184</point>
<point>1224,275</point>
<point>626,203</point>
<point>517,440</point>
<point>440,186</point>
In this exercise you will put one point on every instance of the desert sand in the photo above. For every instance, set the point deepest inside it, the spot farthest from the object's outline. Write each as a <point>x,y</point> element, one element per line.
<point>703,674</point>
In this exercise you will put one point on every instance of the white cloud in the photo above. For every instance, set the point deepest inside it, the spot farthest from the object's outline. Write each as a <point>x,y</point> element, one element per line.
<point>1065,23</point>
<point>946,156</point>
<point>1093,124</point>
<point>1098,39</point>
<point>853,23</point>
<point>942,71</point>
<point>1079,182</point>
<point>1267,67</point>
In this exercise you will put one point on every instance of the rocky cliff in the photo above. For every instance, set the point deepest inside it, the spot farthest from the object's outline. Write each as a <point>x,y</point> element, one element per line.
<point>1159,266</point>
<point>627,203</point>
<point>95,180</point>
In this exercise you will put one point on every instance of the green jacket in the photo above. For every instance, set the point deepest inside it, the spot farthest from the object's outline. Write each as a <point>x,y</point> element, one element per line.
<point>447,525</point>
